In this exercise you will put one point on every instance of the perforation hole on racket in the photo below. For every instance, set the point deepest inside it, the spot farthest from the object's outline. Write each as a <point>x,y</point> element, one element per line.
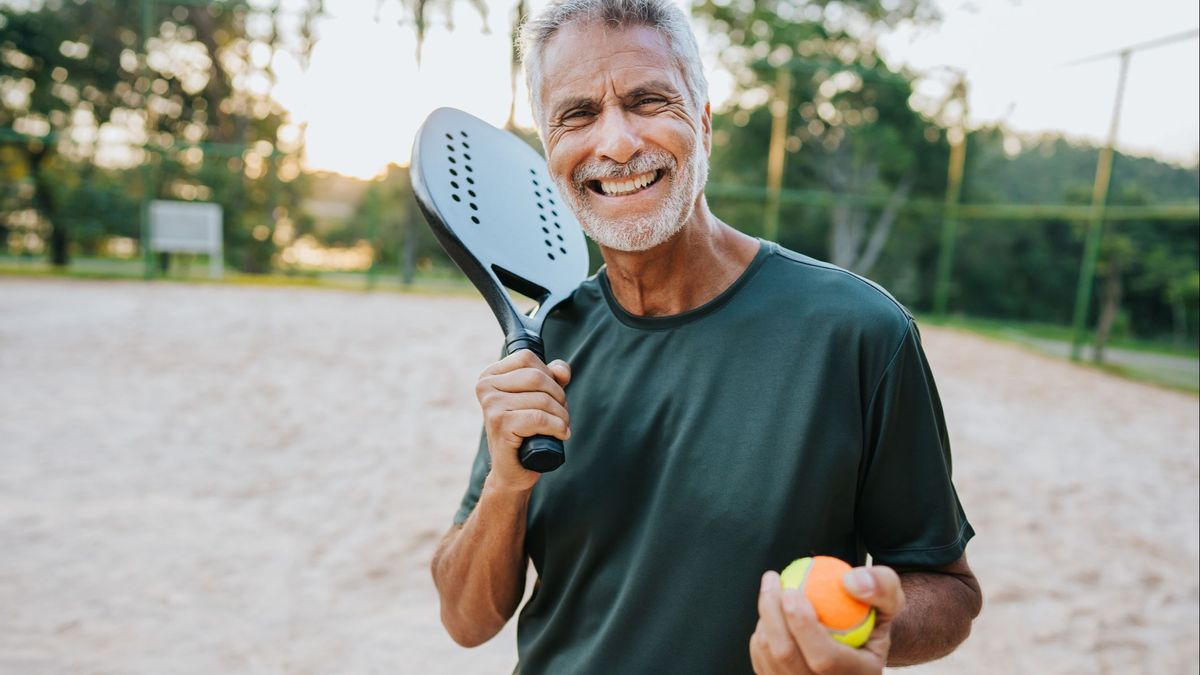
<point>492,206</point>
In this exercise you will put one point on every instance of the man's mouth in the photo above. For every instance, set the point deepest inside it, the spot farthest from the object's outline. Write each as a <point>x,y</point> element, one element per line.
<point>621,187</point>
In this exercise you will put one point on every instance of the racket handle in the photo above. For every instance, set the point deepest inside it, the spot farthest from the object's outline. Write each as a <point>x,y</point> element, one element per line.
<point>537,453</point>
<point>542,454</point>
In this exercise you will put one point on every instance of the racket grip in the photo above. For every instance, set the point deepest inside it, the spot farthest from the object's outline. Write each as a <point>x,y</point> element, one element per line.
<point>537,453</point>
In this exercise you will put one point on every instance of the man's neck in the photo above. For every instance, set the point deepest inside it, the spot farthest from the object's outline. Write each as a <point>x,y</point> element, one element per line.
<point>693,267</point>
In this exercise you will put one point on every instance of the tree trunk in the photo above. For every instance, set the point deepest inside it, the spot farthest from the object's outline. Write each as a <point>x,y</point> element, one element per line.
<point>840,245</point>
<point>519,13</point>
<point>409,266</point>
<point>43,201</point>
<point>853,244</point>
<point>883,227</point>
<point>1108,311</point>
<point>1179,314</point>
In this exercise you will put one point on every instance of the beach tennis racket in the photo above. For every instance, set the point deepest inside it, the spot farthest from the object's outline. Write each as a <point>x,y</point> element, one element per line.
<point>490,202</point>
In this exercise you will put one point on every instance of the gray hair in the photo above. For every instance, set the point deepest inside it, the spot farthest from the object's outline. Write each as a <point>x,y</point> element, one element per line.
<point>660,15</point>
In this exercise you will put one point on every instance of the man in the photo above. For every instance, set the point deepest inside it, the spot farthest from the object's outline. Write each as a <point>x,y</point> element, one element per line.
<point>732,406</point>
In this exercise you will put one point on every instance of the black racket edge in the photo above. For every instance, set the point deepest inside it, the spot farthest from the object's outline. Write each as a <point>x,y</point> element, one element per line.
<point>537,453</point>
<point>496,298</point>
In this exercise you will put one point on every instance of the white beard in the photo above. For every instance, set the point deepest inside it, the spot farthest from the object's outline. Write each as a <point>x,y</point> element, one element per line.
<point>645,231</point>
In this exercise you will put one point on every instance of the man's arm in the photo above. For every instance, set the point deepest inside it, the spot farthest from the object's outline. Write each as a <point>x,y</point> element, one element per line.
<point>479,568</point>
<point>940,604</point>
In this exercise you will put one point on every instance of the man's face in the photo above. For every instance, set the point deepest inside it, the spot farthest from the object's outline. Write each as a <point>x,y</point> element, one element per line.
<point>627,149</point>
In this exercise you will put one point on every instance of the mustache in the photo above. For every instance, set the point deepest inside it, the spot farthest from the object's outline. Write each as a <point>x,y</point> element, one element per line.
<point>643,162</point>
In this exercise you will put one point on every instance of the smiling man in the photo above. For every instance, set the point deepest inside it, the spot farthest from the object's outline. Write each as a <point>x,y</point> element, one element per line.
<point>732,406</point>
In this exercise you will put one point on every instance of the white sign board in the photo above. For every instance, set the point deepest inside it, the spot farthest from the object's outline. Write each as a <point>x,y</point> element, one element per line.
<point>188,227</point>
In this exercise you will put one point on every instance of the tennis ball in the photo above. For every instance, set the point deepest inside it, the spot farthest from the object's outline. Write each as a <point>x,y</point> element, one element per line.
<point>848,619</point>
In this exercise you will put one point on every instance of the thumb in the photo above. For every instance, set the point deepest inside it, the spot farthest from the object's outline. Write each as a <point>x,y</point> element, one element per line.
<point>877,586</point>
<point>561,371</point>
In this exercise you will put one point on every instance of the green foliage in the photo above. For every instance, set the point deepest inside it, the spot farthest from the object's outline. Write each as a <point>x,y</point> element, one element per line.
<point>196,90</point>
<point>388,217</point>
<point>851,130</point>
<point>1028,270</point>
<point>1050,168</point>
<point>94,203</point>
<point>69,68</point>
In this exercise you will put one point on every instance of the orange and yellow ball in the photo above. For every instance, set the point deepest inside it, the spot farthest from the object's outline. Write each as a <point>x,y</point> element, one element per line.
<point>849,620</point>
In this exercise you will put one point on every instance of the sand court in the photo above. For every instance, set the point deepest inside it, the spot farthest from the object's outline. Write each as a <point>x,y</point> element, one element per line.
<point>212,478</point>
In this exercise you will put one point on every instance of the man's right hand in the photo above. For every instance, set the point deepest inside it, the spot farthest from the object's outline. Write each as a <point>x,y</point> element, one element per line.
<point>521,397</point>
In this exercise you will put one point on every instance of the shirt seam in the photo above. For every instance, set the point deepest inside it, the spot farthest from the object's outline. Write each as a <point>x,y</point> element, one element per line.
<point>788,255</point>
<point>742,282</point>
<point>958,540</point>
<point>891,362</point>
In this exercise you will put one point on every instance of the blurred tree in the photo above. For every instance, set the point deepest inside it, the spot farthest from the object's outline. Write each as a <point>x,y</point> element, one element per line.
<point>417,11</point>
<point>74,73</point>
<point>93,203</point>
<point>1117,252</point>
<point>1027,269</point>
<point>520,12</point>
<point>1040,169</point>
<point>385,210</point>
<point>418,14</point>
<point>850,128</point>
<point>1171,275</point>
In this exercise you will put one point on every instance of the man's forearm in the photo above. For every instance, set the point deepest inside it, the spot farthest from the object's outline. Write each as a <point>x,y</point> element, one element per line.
<point>937,615</point>
<point>479,569</point>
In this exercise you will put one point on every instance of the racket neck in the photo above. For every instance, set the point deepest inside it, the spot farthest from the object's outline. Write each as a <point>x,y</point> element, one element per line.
<point>528,341</point>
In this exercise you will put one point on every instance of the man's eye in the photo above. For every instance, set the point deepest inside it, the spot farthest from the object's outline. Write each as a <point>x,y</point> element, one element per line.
<point>650,100</point>
<point>576,114</point>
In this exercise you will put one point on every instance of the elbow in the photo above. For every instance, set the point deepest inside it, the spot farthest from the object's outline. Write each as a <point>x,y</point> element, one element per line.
<point>465,628</point>
<point>467,633</point>
<point>971,604</point>
<point>972,598</point>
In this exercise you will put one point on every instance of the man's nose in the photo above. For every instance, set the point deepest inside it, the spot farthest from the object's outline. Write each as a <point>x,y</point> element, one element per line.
<point>617,136</point>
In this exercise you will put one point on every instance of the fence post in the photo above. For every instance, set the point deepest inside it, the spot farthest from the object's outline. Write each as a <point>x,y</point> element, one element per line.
<point>958,154</point>
<point>775,155</point>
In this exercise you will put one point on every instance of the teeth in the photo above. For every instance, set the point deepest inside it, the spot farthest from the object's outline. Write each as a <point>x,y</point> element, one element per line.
<point>617,188</point>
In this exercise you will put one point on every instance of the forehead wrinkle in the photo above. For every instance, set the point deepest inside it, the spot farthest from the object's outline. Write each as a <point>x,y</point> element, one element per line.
<point>652,48</point>
<point>650,81</point>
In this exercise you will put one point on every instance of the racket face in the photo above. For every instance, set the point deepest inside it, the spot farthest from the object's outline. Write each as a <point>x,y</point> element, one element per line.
<point>492,193</point>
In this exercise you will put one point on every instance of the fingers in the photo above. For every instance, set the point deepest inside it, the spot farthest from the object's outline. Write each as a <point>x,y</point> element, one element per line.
<point>820,652</point>
<point>524,358</point>
<point>772,646</point>
<point>878,586</point>
<point>790,639</point>
<point>534,377</point>
<point>510,372</point>
<point>535,400</point>
<point>561,370</point>
<point>514,416</point>
<point>517,425</point>
<point>522,397</point>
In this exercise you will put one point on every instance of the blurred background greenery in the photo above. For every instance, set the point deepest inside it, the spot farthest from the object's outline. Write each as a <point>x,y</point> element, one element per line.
<point>820,143</point>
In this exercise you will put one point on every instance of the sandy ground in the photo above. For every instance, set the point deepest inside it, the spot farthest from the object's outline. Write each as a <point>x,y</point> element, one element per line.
<point>211,479</point>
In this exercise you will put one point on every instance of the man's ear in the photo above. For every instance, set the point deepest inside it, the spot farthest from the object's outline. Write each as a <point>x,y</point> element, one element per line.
<point>706,123</point>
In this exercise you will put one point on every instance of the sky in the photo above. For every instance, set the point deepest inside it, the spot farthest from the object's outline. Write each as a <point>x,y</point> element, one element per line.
<point>362,97</point>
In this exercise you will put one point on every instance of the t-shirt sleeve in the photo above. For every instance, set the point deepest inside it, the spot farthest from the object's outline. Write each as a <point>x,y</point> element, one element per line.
<point>908,512</point>
<point>479,471</point>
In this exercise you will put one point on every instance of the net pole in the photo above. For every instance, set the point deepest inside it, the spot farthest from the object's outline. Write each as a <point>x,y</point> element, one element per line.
<point>1091,252</point>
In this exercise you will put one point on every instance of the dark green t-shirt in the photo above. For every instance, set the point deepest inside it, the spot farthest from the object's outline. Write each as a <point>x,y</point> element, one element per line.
<point>792,415</point>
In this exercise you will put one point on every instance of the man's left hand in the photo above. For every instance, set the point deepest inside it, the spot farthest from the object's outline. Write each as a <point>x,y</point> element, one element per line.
<point>789,640</point>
